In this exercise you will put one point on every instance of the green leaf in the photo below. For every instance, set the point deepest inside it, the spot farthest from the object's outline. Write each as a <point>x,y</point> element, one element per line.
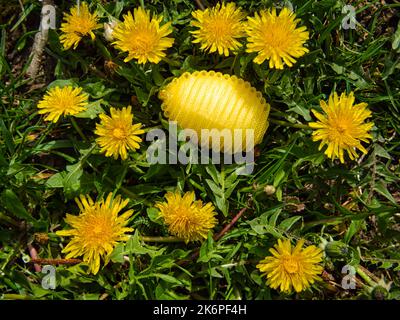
<point>214,188</point>
<point>381,152</point>
<point>55,181</point>
<point>14,205</point>
<point>279,177</point>
<point>72,179</point>
<point>7,136</point>
<point>396,39</point>
<point>288,223</point>
<point>164,277</point>
<point>92,110</point>
<point>154,215</point>
<point>62,83</point>
<point>382,189</point>
<point>135,246</point>
<point>355,227</point>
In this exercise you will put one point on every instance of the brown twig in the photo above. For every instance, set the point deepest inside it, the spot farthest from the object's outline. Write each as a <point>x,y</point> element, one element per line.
<point>230,225</point>
<point>200,4</point>
<point>56,261</point>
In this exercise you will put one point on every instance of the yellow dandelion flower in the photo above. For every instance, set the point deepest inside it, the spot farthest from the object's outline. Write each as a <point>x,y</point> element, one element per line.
<point>96,230</point>
<point>342,127</point>
<point>276,38</point>
<point>62,101</point>
<point>219,28</point>
<point>78,23</point>
<point>186,218</point>
<point>117,134</point>
<point>292,267</point>
<point>143,37</point>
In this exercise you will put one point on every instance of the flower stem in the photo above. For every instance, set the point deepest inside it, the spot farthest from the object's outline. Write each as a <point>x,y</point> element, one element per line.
<point>364,276</point>
<point>161,239</point>
<point>8,220</point>
<point>76,127</point>
<point>289,124</point>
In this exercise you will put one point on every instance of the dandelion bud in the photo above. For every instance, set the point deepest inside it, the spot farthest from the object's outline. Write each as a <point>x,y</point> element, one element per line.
<point>109,29</point>
<point>337,249</point>
<point>269,190</point>
<point>379,293</point>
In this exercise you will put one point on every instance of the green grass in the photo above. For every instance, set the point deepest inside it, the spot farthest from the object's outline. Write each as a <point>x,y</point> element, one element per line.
<point>43,167</point>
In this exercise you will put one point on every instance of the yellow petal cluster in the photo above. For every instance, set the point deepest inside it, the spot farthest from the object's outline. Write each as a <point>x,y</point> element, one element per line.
<point>342,127</point>
<point>187,218</point>
<point>291,268</point>
<point>78,23</point>
<point>96,230</point>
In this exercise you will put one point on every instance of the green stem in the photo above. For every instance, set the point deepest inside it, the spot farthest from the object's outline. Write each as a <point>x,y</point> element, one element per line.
<point>289,124</point>
<point>8,220</point>
<point>365,277</point>
<point>195,184</point>
<point>142,3</point>
<point>76,127</point>
<point>161,239</point>
<point>44,135</point>
<point>103,49</point>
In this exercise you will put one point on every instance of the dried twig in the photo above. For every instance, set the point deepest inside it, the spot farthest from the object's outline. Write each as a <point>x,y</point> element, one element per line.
<point>56,261</point>
<point>41,38</point>
<point>230,225</point>
<point>200,4</point>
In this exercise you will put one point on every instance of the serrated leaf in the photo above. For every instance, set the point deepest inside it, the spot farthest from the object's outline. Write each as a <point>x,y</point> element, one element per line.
<point>154,215</point>
<point>92,110</point>
<point>288,223</point>
<point>215,188</point>
<point>381,152</point>
<point>55,181</point>
<point>72,177</point>
<point>382,189</point>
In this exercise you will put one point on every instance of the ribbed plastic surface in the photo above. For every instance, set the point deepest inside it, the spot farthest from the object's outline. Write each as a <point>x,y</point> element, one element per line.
<point>211,100</point>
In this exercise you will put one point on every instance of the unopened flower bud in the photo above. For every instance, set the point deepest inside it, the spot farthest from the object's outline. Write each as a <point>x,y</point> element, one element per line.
<point>269,190</point>
<point>337,249</point>
<point>109,29</point>
<point>379,293</point>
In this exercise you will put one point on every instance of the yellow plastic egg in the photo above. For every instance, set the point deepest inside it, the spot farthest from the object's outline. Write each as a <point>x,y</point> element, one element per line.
<point>212,100</point>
